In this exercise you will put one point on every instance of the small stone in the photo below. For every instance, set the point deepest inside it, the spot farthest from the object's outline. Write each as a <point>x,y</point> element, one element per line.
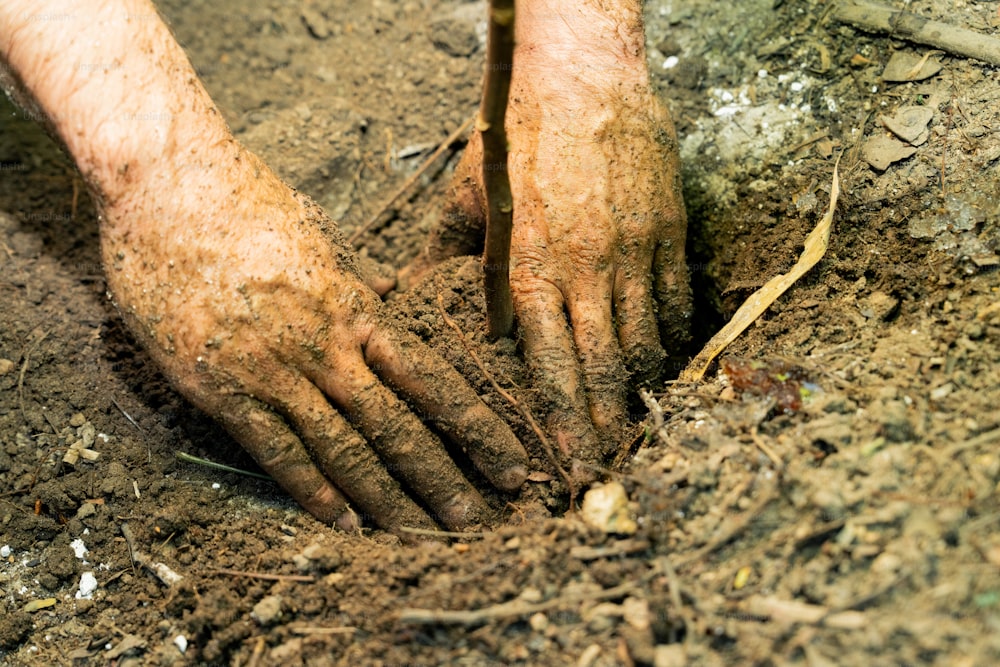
<point>268,610</point>
<point>6,366</point>
<point>455,36</point>
<point>304,112</point>
<point>77,420</point>
<point>606,509</point>
<point>829,502</point>
<point>316,23</point>
<point>88,434</point>
<point>910,124</point>
<point>886,563</point>
<point>538,622</point>
<point>882,150</point>
<point>88,584</point>
<point>940,392</point>
<point>879,306</point>
<point>530,594</point>
<point>635,611</point>
<point>602,617</point>
<point>86,510</point>
<point>669,655</point>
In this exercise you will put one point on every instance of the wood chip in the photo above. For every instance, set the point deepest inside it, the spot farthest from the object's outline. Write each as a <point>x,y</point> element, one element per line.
<point>904,66</point>
<point>910,124</point>
<point>882,150</point>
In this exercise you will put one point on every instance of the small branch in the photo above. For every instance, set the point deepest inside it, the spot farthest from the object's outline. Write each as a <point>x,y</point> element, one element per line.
<point>425,532</point>
<point>304,578</point>
<point>514,608</point>
<point>496,181</point>
<point>24,369</point>
<point>126,415</point>
<point>521,409</point>
<point>402,189</point>
<point>141,558</point>
<point>190,458</point>
<point>878,18</point>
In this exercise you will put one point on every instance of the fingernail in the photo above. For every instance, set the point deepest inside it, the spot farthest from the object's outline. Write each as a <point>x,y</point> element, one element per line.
<point>348,521</point>
<point>512,478</point>
<point>461,511</point>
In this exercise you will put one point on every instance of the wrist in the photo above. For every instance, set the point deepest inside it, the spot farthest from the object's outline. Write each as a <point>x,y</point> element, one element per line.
<point>581,47</point>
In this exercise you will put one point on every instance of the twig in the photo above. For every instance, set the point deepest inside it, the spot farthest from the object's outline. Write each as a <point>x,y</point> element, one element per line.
<point>319,630</point>
<point>988,438</point>
<point>620,548</point>
<point>517,405</point>
<point>304,578</point>
<point>126,415</point>
<point>24,369</point>
<point>408,183</point>
<point>874,17</point>
<point>788,612</point>
<point>426,532</point>
<point>496,181</point>
<point>189,458</point>
<point>503,610</point>
<point>162,572</point>
<point>766,449</point>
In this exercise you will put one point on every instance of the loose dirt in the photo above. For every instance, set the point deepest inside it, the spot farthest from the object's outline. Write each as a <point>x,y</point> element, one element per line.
<point>855,526</point>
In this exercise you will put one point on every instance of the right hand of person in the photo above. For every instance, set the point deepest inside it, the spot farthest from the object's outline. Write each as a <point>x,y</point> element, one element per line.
<point>242,290</point>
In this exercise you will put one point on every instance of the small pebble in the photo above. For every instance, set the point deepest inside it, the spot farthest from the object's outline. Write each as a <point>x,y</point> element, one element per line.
<point>181,642</point>
<point>5,551</point>
<point>268,610</point>
<point>606,509</point>
<point>6,366</point>
<point>88,584</point>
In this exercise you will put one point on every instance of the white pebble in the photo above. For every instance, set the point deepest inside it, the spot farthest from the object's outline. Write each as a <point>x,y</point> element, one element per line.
<point>181,642</point>
<point>216,486</point>
<point>797,86</point>
<point>79,548</point>
<point>88,584</point>
<point>762,74</point>
<point>671,62</point>
<point>5,551</point>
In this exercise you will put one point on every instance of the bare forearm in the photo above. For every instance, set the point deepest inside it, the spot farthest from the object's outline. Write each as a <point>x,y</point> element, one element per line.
<point>110,81</point>
<point>581,41</point>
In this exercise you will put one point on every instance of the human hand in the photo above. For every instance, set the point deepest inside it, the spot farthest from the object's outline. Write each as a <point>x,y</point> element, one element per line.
<point>227,278</point>
<point>249,299</point>
<point>597,265</point>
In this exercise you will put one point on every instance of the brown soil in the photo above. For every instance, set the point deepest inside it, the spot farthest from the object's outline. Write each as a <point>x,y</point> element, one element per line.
<point>859,529</point>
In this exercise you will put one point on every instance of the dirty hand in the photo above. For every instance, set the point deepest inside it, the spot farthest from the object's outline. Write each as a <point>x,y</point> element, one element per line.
<point>242,290</point>
<point>597,254</point>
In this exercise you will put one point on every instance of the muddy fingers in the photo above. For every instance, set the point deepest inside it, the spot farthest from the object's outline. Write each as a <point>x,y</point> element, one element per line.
<point>551,353</point>
<point>438,392</point>
<point>673,293</point>
<point>638,331</point>
<point>267,437</point>
<point>600,359</point>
